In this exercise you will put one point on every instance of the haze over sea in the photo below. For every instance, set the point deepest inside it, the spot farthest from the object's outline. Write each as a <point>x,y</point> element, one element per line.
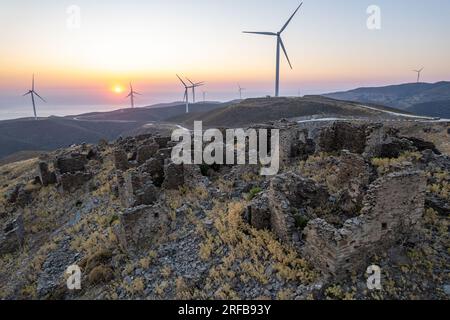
<point>7,113</point>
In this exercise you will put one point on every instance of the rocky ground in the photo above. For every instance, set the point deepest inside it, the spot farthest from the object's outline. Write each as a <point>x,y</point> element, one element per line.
<point>140,227</point>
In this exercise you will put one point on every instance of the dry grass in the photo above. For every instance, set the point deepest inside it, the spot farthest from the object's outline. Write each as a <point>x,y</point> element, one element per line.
<point>387,165</point>
<point>249,253</point>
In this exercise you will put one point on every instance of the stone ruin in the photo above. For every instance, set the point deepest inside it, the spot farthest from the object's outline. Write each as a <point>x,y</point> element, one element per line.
<point>70,168</point>
<point>12,236</point>
<point>143,169</point>
<point>295,142</point>
<point>141,226</point>
<point>392,210</point>
<point>338,231</point>
<point>392,207</point>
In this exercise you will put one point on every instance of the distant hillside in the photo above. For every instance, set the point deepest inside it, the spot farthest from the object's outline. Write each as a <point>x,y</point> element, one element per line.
<point>401,96</point>
<point>56,132</point>
<point>178,103</point>
<point>434,109</point>
<point>150,113</point>
<point>20,156</point>
<point>267,109</point>
<point>53,133</point>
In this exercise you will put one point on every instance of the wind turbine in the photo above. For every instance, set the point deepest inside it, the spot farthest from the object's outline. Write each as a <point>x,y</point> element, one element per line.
<point>419,72</point>
<point>186,93</point>
<point>204,96</point>
<point>32,92</point>
<point>193,86</point>
<point>240,91</point>
<point>131,95</point>
<point>279,44</point>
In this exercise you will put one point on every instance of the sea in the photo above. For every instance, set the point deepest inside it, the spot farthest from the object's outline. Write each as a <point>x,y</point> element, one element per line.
<point>7,113</point>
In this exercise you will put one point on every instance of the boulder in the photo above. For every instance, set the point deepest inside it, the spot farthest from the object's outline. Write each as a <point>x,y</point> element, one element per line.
<point>46,177</point>
<point>12,236</point>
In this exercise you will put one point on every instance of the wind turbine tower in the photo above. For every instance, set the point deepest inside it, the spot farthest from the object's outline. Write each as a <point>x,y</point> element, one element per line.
<point>32,93</point>
<point>419,73</point>
<point>186,93</point>
<point>193,86</point>
<point>280,44</point>
<point>240,91</point>
<point>131,95</point>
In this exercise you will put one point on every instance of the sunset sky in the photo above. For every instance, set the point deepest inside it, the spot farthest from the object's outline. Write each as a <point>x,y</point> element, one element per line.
<point>150,41</point>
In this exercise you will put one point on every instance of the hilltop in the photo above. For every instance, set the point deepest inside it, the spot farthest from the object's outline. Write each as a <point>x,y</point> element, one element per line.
<point>141,227</point>
<point>402,96</point>
<point>55,132</point>
<point>259,110</point>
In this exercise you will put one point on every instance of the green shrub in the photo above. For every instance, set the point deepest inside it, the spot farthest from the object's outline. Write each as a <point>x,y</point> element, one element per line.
<point>253,192</point>
<point>300,221</point>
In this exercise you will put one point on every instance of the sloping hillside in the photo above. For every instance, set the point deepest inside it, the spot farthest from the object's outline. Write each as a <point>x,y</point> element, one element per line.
<point>150,114</point>
<point>268,109</point>
<point>433,109</point>
<point>400,96</point>
<point>56,132</point>
<point>53,133</point>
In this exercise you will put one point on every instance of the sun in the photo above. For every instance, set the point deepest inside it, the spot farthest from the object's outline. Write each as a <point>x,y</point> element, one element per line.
<point>118,89</point>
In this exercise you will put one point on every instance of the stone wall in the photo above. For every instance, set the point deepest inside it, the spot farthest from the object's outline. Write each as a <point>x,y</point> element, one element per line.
<point>141,226</point>
<point>392,209</point>
<point>276,209</point>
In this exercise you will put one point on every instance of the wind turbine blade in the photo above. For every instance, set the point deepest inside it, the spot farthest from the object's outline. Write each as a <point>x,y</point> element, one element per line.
<point>140,94</point>
<point>182,81</point>
<point>287,23</point>
<point>285,53</point>
<point>190,81</point>
<point>261,33</point>
<point>129,95</point>
<point>39,96</point>
<point>25,94</point>
<point>32,83</point>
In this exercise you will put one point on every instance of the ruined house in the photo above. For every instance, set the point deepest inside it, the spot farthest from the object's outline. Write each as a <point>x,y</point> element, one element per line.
<point>392,209</point>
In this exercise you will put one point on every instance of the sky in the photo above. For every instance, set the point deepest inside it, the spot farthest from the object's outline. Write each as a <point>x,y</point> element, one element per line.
<point>83,59</point>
